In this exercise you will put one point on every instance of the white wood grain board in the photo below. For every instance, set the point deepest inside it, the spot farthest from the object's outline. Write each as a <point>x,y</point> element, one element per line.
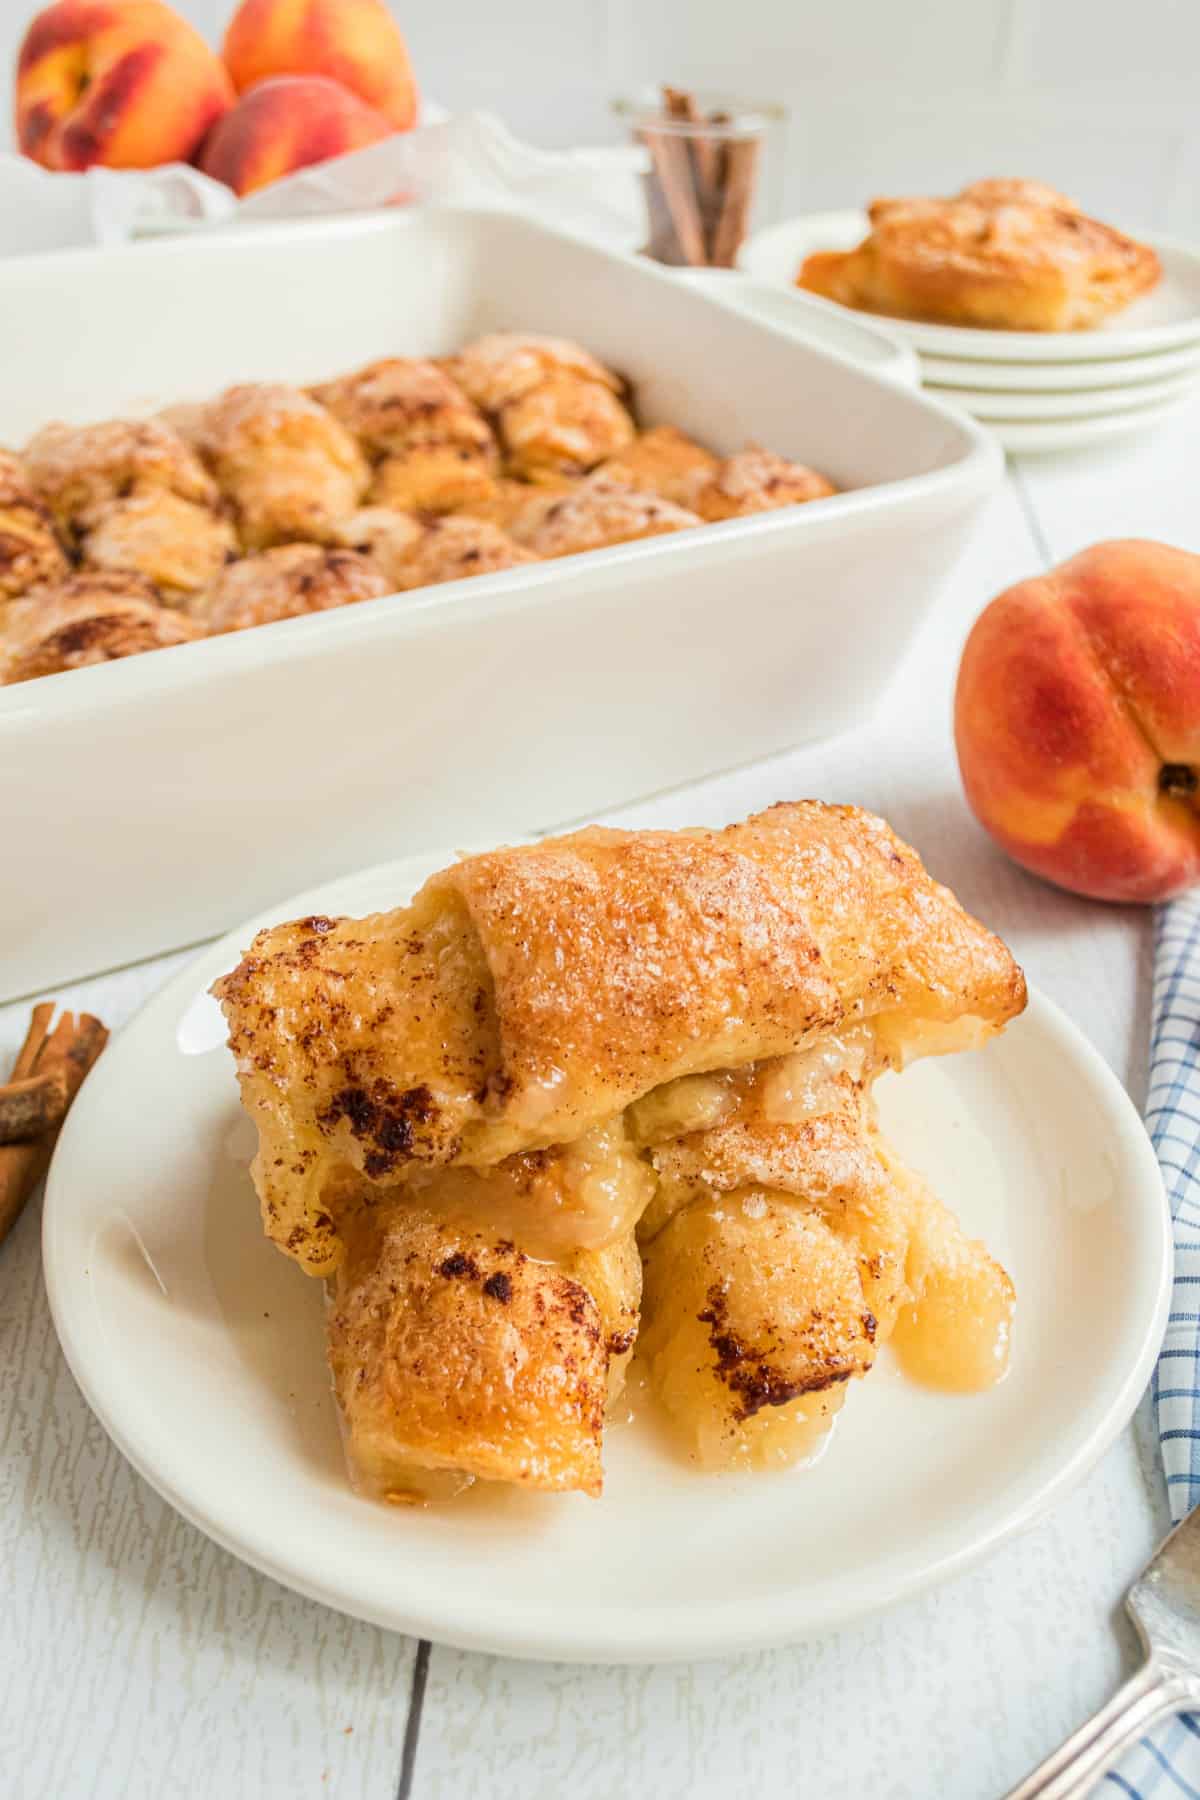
<point>1148,488</point>
<point>137,1659</point>
<point>956,1693</point>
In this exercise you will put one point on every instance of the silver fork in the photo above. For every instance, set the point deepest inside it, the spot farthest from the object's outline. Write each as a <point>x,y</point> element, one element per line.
<point>1165,1605</point>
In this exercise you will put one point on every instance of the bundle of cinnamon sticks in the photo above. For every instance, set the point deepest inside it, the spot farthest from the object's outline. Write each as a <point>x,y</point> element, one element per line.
<point>701,182</point>
<point>46,1076</point>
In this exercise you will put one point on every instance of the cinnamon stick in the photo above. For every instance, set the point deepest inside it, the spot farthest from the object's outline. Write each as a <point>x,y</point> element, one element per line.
<point>672,166</point>
<point>30,1107</point>
<point>64,1054</point>
<point>705,153</point>
<point>741,174</point>
<point>700,187</point>
<point>35,1037</point>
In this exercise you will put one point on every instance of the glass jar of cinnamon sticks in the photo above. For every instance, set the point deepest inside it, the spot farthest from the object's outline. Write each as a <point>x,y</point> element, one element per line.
<point>704,173</point>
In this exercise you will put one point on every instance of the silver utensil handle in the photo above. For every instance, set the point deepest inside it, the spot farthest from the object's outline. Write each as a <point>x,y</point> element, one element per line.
<point>1074,1769</point>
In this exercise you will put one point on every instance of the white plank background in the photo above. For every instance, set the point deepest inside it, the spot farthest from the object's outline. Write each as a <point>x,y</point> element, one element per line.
<point>1095,96</point>
<point>138,1660</point>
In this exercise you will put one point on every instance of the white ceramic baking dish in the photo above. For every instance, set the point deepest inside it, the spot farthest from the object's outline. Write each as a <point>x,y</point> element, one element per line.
<point>151,802</point>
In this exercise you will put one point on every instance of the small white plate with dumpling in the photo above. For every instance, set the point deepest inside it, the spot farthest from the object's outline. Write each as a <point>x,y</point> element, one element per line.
<point>200,1348</point>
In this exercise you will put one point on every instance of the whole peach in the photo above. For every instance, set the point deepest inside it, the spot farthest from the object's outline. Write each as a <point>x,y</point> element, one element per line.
<point>287,124</point>
<point>127,83</point>
<point>356,42</point>
<point>1077,721</point>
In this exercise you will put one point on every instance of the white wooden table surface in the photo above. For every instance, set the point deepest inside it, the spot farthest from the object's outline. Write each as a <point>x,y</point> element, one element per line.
<point>136,1659</point>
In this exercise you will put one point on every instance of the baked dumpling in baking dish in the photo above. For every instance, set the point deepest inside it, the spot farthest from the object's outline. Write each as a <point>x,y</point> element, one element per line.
<point>557,409</point>
<point>503,366</point>
<point>752,481</point>
<point>78,468</point>
<point>94,616</point>
<point>179,546</point>
<point>598,512</point>
<point>30,552</point>
<point>287,467</point>
<point>288,582</point>
<point>663,460</point>
<point>432,450</point>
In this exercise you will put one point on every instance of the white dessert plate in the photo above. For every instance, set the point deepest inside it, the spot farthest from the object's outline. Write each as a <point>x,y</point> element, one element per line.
<point>1116,372</point>
<point>199,1347</point>
<point>990,404</point>
<point>1029,437</point>
<point>1168,317</point>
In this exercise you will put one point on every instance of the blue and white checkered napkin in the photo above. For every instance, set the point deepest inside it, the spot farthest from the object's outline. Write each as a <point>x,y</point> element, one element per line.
<point>1168,1762</point>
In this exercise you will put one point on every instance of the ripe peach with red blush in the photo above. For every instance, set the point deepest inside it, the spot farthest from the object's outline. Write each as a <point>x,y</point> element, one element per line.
<point>125,83</point>
<point>286,124</point>
<point>355,42</point>
<point>1077,721</point>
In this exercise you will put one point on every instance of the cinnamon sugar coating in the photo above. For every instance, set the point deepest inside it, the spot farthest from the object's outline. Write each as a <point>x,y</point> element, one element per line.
<point>176,544</point>
<point>503,366</point>
<point>753,481</point>
<point>596,513</point>
<point>91,617</point>
<point>662,461</point>
<point>287,582</point>
<point>30,552</point>
<point>516,506</point>
<point>455,549</point>
<point>565,424</point>
<point>287,466</point>
<point>452,1349</point>
<point>459,1030</point>
<point>519,447</point>
<point>434,478</point>
<point>399,401</point>
<point>76,468</point>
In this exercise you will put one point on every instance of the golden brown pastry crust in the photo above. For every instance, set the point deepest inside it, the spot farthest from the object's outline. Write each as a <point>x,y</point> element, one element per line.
<point>77,468</point>
<point>434,478</point>
<point>456,1030</point>
<point>287,582</point>
<point>753,481</point>
<point>497,369</point>
<point>383,534</point>
<point>518,448</point>
<point>565,425</point>
<point>706,1274</point>
<point>30,553</point>
<point>177,545</point>
<point>452,1349</point>
<point>595,513</point>
<point>289,469</point>
<point>662,461</point>
<point>1009,190</point>
<point>456,548</point>
<point>434,449</point>
<point>467,1108</point>
<point>1005,255</point>
<point>92,617</point>
<point>399,401</point>
<point>516,506</point>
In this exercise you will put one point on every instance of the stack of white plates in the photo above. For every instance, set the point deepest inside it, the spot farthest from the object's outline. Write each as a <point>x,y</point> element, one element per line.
<point>1037,390</point>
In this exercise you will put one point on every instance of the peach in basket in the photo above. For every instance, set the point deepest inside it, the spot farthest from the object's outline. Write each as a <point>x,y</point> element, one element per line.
<point>126,83</point>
